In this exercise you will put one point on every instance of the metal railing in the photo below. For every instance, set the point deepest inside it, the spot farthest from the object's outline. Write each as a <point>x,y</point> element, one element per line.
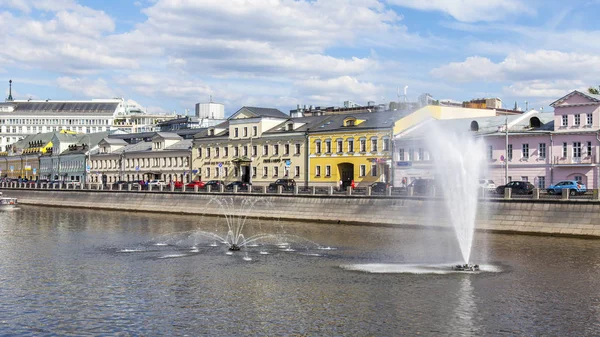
<point>431,193</point>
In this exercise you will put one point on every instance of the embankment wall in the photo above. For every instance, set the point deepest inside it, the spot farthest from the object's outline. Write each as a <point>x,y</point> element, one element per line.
<point>544,217</point>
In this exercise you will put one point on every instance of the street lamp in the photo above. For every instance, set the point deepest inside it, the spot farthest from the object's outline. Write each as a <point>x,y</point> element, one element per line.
<point>506,149</point>
<point>88,164</point>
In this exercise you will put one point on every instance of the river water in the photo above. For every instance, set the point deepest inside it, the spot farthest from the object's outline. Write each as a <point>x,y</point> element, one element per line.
<point>82,272</point>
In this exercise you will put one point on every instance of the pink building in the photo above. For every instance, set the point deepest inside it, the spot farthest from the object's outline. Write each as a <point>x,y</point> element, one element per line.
<point>543,148</point>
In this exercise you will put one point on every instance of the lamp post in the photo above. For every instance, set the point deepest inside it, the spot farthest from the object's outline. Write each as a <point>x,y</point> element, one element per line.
<point>87,163</point>
<point>506,149</point>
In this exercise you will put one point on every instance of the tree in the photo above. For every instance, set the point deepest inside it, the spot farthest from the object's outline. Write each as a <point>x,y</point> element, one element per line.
<point>593,91</point>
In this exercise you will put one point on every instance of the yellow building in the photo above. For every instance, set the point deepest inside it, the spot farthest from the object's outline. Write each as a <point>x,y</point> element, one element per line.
<point>352,147</point>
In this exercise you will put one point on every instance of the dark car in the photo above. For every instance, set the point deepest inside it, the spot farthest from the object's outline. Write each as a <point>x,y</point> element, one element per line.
<point>422,186</point>
<point>517,187</point>
<point>379,187</point>
<point>214,184</point>
<point>288,184</point>
<point>241,186</point>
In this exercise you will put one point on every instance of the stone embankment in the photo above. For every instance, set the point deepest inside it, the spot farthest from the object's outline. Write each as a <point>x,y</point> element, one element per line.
<point>544,217</point>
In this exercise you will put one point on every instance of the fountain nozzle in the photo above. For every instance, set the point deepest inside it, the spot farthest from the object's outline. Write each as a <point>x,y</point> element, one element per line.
<point>466,267</point>
<point>234,247</point>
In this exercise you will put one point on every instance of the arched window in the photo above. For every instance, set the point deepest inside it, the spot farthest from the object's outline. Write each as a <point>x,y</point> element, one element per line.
<point>534,122</point>
<point>474,126</point>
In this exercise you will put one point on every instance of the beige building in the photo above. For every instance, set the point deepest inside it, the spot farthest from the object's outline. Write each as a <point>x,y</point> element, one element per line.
<point>166,157</point>
<point>255,145</point>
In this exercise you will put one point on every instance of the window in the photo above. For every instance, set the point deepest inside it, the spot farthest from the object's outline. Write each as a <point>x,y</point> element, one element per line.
<point>576,149</point>
<point>524,178</point>
<point>525,151</point>
<point>226,171</point>
<point>265,171</point>
<point>297,149</point>
<point>328,146</point>
<point>275,171</point>
<point>421,154</point>
<point>245,152</point>
<point>340,146</point>
<point>373,144</point>
<point>577,120</point>
<point>363,170</point>
<point>207,152</point>
<point>245,131</point>
<point>254,150</point>
<point>208,172</point>
<point>565,120</point>
<point>373,170</point>
<point>276,150</point>
<point>509,179</point>
<point>363,145</point>
<point>265,150</point>
<point>411,154</point>
<point>590,119</point>
<point>351,145</point>
<point>564,150</point>
<point>318,147</point>
<point>254,131</point>
<point>328,171</point>
<point>290,127</point>
<point>253,171</point>
<point>199,152</point>
<point>542,151</point>
<point>541,182</point>
<point>386,144</point>
<point>490,152</point>
<point>589,149</point>
<point>297,171</point>
<point>578,179</point>
<point>235,172</point>
<point>317,171</point>
<point>286,149</point>
<point>350,122</point>
<point>236,151</point>
<point>235,133</point>
<point>225,151</point>
<point>216,151</point>
<point>401,154</point>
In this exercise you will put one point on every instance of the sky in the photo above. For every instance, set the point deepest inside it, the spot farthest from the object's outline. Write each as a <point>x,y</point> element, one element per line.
<point>168,55</point>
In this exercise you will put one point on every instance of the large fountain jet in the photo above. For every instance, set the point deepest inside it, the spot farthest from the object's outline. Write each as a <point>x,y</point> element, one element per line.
<point>459,163</point>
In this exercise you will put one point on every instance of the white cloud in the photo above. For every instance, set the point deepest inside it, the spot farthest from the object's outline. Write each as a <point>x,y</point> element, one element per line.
<point>326,91</point>
<point>544,89</point>
<point>89,88</point>
<point>522,66</point>
<point>469,10</point>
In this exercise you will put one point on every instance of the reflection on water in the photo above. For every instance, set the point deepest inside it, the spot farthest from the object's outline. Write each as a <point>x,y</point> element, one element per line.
<point>79,272</point>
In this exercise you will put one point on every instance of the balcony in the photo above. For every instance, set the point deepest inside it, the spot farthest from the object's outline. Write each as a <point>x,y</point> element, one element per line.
<point>587,160</point>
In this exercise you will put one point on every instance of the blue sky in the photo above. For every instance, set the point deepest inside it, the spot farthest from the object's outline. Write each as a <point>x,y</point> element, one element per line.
<point>167,55</point>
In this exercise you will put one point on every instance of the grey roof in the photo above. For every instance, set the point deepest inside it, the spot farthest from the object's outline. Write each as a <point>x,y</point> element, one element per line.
<point>263,112</point>
<point>204,133</point>
<point>308,123</point>
<point>372,120</point>
<point>185,144</point>
<point>137,147</point>
<point>486,125</point>
<point>114,141</point>
<point>45,137</point>
<point>53,108</point>
<point>93,138</point>
<point>167,135</point>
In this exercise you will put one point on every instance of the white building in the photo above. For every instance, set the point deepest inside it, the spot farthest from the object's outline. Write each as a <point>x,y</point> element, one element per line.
<point>210,110</point>
<point>20,118</point>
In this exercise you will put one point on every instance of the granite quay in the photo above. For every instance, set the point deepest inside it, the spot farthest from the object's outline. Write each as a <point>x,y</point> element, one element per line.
<point>546,216</point>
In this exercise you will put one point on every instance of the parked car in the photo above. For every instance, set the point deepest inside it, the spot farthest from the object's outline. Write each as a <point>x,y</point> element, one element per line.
<point>422,186</point>
<point>574,187</point>
<point>192,184</point>
<point>241,186</point>
<point>214,184</point>
<point>156,182</point>
<point>517,187</point>
<point>72,182</point>
<point>121,182</point>
<point>379,187</point>
<point>178,184</point>
<point>288,184</point>
<point>487,184</point>
<point>137,183</point>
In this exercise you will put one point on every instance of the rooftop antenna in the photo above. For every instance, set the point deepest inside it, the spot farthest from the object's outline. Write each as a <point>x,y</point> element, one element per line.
<point>405,97</point>
<point>10,98</point>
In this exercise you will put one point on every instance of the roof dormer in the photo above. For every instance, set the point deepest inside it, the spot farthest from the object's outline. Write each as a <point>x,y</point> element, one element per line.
<point>474,126</point>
